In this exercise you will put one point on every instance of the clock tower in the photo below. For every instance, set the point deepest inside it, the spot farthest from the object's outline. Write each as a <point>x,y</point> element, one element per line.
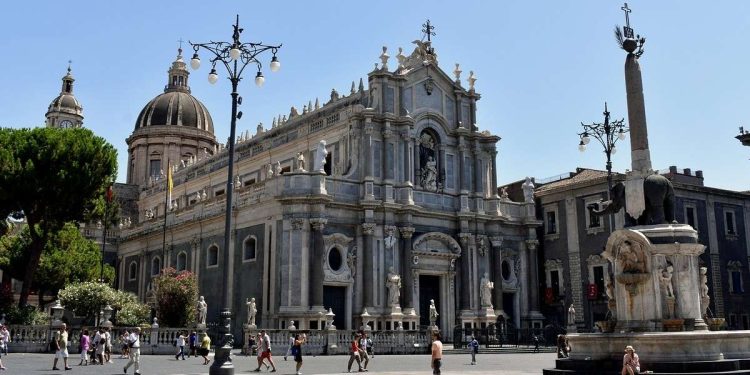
<point>65,111</point>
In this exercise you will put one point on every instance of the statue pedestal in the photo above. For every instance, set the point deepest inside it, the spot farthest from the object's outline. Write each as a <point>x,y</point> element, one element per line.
<point>410,319</point>
<point>200,326</point>
<point>638,256</point>
<point>393,317</point>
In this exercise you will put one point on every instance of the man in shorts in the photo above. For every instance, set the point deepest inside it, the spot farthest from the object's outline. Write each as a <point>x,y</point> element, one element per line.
<point>265,351</point>
<point>437,354</point>
<point>61,347</point>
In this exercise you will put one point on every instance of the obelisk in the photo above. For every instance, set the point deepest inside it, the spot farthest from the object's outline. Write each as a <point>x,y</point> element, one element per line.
<point>640,156</point>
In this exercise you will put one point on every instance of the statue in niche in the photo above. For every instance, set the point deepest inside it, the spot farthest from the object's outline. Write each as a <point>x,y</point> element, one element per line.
<point>320,157</point>
<point>374,101</point>
<point>705,299</point>
<point>202,310</point>
<point>429,175</point>
<point>666,280</point>
<point>269,171</point>
<point>486,290</point>
<point>631,257</point>
<point>393,283</point>
<point>528,190</point>
<point>300,162</point>
<point>433,313</point>
<point>251,311</point>
<point>351,261</point>
<point>277,168</point>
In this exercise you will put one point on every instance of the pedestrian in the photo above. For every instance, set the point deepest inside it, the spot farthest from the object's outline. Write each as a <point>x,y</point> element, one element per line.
<point>134,343</point>
<point>85,342</point>
<point>5,335</point>
<point>631,364</point>
<point>535,338</point>
<point>265,351</point>
<point>192,341</point>
<point>124,344</point>
<point>107,345</point>
<point>205,348</point>
<point>363,350</point>
<point>258,352</point>
<point>60,344</point>
<point>563,348</point>
<point>474,348</point>
<point>437,354</point>
<point>297,350</point>
<point>354,355</point>
<point>100,344</point>
<point>180,344</point>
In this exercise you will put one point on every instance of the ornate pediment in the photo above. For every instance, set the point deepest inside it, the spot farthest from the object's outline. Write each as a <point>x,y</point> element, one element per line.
<point>437,244</point>
<point>337,239</point>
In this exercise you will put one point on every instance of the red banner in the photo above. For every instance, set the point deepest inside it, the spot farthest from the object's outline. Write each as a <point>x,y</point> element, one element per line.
<point>592,292</point>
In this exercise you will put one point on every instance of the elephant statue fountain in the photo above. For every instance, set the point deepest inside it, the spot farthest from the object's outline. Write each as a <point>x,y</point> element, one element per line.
<point>658,194</point>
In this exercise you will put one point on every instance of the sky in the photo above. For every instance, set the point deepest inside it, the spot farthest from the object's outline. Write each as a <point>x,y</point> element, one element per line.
<point>543,67</point>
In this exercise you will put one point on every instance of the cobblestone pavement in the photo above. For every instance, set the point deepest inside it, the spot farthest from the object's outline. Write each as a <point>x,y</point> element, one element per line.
<point>506,363</point>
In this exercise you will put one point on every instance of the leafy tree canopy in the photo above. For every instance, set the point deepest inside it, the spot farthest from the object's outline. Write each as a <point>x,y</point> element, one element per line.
<point>176,297</point>
<point>53,176</point>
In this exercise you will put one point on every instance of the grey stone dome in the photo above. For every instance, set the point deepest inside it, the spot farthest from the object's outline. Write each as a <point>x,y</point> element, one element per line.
<point>66,103</point>
<point>175,107</point>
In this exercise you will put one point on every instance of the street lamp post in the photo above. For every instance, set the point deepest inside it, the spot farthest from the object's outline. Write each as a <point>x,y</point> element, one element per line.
<point>235,56</point>
<point>607,134</point>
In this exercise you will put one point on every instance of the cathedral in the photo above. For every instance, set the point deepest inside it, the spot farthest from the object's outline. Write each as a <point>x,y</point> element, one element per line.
<point>373,205</point>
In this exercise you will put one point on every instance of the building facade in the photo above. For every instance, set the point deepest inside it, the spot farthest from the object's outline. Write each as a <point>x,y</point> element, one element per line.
<point>574,272</point>
<point>374,205</point>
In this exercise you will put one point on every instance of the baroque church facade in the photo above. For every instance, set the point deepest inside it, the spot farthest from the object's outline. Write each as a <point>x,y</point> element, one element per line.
<point>376,203</point>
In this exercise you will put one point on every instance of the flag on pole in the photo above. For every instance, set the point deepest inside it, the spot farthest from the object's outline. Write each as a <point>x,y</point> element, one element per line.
<point>169,184</point>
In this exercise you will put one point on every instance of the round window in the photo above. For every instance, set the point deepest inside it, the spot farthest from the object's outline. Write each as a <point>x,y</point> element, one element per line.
<point>334,259</point>
<point>506,270</point>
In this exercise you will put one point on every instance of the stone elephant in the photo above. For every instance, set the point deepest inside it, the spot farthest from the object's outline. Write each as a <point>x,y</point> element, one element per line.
<point>658,193</point>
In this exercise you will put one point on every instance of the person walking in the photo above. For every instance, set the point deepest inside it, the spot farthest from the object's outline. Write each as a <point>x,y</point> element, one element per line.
<point>134,343</point>
<point>437,354</point>
<point>85,343</point>
<point>205,348</point>
<point>192,341</point>
<point>265,349</point>
<point>124,344</point>
<point>354,355</point>
<point>474,348</point>
<point>61,347</point>
<point>5,336</point>
<point>107,345</point>
<point>297,350</point>
<point>180,343</point>
<point>100,341</point>
<point>364,356</point>
<point>258,352</point>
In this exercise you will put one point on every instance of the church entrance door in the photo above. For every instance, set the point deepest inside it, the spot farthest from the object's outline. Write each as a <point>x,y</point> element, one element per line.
<point>335,298</point>
<point>429,288</point>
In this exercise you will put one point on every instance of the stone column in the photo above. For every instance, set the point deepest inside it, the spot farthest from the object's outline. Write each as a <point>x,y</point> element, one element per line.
<point>407,294</point>
<point>466,288</point>
<point>533,280</point>
<point>389,170</point>
<point>369,160</point>
<point>463,184</point>
<point>316,263</point>
<point>493,193</point>
<point>478,177</point>
<point>497,265</point>
<point>407,157</point>
<point>639,152</point>
<point>367,275</point>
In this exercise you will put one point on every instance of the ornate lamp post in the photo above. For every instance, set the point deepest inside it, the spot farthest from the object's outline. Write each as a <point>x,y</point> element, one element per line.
<point>607,133</point>
<point>235,56</point>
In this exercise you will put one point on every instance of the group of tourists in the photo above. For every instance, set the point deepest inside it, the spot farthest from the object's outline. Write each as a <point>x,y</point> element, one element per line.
<point>260,346</point>
<point>361,350</point>
<point>95,346</point>
<point>198,345</point>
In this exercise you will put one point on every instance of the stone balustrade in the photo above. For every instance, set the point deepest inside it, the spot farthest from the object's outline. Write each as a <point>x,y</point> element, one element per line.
<point>160,340</point>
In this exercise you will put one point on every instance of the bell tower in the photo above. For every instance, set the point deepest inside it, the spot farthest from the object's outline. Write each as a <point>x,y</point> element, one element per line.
<point>65,111</point>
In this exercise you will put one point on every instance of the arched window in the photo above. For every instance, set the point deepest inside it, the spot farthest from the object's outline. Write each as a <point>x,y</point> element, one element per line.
<point>155,266</point>
<point>212,256</point>
<point>181,261</point>
<point>132,271</point>
<point>249,249</point>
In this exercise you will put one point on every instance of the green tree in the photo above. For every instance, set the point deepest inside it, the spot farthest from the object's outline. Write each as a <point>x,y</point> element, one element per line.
<point>53,176</point>
<point>176,295</point>
<point>130,312</point>
<point>67,257</point>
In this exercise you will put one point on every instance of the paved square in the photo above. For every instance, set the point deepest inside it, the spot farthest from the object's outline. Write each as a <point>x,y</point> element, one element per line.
<point>505,363</point>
